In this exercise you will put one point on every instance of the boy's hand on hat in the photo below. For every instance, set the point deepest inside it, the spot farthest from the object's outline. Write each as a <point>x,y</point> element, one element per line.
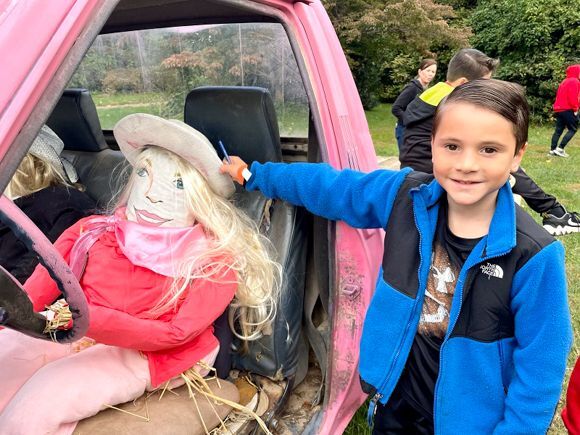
<point>234,168</point>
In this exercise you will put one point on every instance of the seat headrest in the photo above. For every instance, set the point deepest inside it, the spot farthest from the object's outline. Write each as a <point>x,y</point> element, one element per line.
<point>76,122</point>
<point>243,118</point>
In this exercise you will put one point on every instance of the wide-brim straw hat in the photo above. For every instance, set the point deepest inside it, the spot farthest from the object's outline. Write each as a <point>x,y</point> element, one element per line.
<point>138,130</point>
<point>47,146</point>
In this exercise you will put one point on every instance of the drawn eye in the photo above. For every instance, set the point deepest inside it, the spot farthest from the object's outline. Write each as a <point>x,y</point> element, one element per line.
<point>142,172</point>
<point>178,183</point>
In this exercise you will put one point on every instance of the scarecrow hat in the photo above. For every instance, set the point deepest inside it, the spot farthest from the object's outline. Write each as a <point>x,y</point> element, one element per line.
<point>47,146</point>
<point>138,130</point>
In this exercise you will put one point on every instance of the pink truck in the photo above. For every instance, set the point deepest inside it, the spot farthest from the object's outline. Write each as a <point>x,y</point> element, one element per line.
<point>269,78</point>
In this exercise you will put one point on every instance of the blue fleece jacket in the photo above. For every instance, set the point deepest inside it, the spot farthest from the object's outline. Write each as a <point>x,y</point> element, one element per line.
<point>507,382</point>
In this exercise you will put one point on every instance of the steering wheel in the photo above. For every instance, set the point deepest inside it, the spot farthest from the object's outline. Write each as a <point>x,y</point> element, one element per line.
<point>16,310</point>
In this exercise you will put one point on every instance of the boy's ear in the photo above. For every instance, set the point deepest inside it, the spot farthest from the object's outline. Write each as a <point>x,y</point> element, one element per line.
<point>518,158</point>
<point>458,82</point>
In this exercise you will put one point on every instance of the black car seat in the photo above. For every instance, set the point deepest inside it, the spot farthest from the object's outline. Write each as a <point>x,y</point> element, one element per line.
<point>76,122</point>
<point>244,119</point>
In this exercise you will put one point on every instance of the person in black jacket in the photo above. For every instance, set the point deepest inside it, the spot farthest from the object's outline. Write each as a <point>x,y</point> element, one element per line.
<point>466,65</point>
<point>425,74</point>
<point>45,188</point>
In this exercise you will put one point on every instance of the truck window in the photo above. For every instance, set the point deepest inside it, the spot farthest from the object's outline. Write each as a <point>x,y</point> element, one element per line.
<point>152,71</point>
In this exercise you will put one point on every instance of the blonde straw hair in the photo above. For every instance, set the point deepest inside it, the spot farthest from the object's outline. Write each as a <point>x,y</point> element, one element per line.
<point>237,246</point>
<point>35,174</point>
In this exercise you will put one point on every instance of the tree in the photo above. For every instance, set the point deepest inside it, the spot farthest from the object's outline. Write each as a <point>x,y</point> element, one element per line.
<point>535,41</point>
<point>384,40</point>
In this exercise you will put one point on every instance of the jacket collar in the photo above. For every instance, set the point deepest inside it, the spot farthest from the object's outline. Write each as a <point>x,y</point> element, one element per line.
<point>436,93</point>
<point>501,237</point>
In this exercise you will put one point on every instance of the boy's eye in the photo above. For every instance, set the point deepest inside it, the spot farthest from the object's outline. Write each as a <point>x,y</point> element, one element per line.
<point>178,182</point>
<point>488,150</point>
<point>142,172</point>
<point>451,147</point>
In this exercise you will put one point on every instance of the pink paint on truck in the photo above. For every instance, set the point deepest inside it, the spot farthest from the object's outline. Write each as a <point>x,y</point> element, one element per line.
<point>43,45</point>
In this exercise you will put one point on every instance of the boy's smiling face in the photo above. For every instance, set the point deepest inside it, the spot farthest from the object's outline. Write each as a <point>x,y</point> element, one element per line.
<point>473,154</point>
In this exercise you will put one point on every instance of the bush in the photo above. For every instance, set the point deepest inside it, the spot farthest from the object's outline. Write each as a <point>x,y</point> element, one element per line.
<point>535,41</point>
<point>123,80</point>
<point>165,80</point>
<point>385,39</point>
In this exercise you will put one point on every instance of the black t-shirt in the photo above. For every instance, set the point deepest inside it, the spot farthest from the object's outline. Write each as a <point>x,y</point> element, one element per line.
<point>417,382</point>
<point>52,210</point>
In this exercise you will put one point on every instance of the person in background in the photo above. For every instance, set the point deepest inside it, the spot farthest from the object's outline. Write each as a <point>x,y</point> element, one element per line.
<point>566,110</point>
<point>466,65</point>
<point>45,188</point>
<point>425,74</point>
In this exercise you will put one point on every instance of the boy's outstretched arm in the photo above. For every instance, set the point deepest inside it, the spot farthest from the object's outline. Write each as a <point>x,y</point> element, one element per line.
<point>361,200</point>
<point>544,335</point>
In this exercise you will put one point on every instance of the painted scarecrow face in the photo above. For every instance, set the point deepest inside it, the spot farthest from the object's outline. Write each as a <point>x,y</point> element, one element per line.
<point>158,197</point>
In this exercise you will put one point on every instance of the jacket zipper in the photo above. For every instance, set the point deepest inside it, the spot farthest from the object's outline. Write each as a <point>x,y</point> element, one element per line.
<point>501,366</point>
<point>373,409</point>
<point>450,329</point>
<point>379,395</point>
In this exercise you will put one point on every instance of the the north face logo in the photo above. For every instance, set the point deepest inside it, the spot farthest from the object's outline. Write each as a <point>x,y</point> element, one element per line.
<point>492,270</point>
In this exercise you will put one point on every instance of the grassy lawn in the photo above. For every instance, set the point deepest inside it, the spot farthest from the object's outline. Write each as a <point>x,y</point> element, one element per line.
<point>127,99</point>
<point>560,177</point>
<point>112,108</point>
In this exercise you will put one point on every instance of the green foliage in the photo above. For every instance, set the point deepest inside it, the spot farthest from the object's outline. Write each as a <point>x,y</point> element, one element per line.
<point>535,41</point>
<point>122,80</point>
<point>385,40</point>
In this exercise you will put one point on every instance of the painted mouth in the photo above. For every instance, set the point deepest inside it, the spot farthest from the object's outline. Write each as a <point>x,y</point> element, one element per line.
<point>148,218</point>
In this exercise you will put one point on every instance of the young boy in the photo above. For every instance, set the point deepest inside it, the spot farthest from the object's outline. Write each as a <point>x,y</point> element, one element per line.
<point>471,64</point>
<point>468,329</point>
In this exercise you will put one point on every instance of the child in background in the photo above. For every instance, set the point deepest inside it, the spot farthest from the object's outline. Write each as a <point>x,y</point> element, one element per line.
<point>469,327</point>
<point>157,273</point>
<point>471,64</point>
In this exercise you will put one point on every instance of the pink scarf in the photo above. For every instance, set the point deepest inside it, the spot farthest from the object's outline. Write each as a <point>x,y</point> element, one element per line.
<point>156,248</point>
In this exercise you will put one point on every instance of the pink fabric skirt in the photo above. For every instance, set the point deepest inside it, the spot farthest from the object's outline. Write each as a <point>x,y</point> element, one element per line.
<point>46,387</point>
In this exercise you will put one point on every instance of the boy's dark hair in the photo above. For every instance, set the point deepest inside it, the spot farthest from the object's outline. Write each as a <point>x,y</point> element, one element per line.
<point>471,64</point>
<point>504,98</point>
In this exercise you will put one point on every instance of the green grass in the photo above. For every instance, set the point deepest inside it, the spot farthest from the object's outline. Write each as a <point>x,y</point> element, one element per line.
<point>127,99</point>
<point>560,177</point>
<point>110,116</point>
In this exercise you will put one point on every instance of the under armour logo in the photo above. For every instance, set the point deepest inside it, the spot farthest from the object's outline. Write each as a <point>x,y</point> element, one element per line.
<point>492,270</point>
